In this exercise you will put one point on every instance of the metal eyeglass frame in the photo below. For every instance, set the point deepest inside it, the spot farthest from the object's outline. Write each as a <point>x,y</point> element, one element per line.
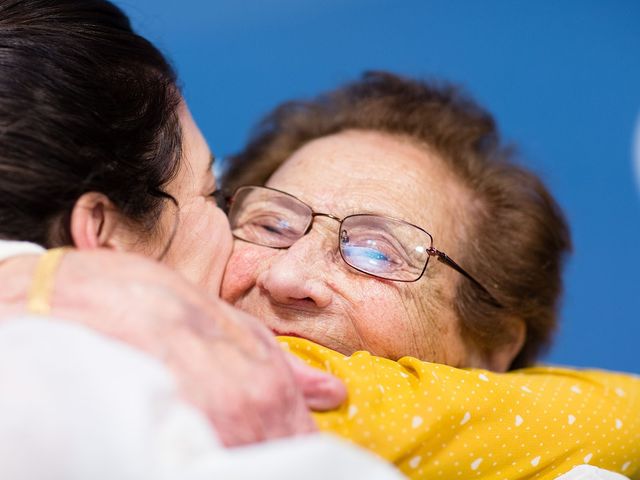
<point>225,201</point>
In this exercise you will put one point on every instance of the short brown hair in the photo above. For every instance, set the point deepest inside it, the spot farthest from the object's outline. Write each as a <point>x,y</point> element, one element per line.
<point>518,238</point>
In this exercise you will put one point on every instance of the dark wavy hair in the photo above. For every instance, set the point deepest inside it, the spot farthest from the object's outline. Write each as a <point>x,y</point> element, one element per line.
<point>86,104</point>
<point>516,238</point>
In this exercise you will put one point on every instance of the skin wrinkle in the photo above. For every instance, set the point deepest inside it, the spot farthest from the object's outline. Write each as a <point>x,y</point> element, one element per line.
<point>359,329</point>
<point>427,307</point>
<point>411,302</point>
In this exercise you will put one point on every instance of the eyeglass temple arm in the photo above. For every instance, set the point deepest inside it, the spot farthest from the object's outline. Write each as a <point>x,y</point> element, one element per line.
<point>447,260</point>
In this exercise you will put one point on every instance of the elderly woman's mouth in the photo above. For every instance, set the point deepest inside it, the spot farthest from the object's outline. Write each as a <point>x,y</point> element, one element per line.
<point>281,333</point>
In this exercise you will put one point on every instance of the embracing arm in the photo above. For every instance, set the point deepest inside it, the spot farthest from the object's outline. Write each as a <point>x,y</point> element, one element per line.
<point>225,362</point>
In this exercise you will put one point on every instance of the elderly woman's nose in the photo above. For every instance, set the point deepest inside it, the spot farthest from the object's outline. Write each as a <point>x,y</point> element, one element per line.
<point>296,275</point>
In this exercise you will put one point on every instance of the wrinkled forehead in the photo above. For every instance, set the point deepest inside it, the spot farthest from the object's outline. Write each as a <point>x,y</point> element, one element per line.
<point>372,172</point>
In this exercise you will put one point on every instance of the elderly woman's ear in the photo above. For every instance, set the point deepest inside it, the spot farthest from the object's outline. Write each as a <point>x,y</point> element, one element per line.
<point>94,223</point>
<point>500,357</point>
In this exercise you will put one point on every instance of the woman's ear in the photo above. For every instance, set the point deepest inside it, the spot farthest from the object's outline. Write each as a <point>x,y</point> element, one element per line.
<point>94,222</point>
<point>499,358</point>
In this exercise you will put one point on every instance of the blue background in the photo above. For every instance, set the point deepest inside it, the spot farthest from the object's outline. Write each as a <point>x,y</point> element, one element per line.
<point>562,78</point>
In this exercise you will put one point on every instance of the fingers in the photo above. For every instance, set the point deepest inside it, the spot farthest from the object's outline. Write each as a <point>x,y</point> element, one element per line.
<point>322,391</point>
<point>245,399</point>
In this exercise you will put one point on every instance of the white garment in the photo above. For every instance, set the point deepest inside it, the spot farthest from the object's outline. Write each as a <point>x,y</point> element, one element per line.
<point>81,404</point>
<point>589,472</point>
<point>10,249</point>
<point>75,405</point>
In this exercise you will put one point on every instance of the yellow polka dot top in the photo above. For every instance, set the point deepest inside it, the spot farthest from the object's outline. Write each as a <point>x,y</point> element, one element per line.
<point>435,421</point>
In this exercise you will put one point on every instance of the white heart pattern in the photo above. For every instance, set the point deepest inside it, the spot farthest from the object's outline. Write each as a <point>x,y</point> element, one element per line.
<point>416,421</point>
<point>465,418</point>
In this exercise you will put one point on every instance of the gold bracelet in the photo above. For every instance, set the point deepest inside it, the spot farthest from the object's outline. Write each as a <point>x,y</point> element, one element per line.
<point>40,295</point>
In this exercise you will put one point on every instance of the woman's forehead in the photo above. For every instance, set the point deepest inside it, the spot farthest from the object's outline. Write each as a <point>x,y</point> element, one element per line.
<point>370,172</point>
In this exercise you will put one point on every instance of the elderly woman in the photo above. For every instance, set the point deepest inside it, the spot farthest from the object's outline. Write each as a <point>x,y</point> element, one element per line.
<point>386,218</point>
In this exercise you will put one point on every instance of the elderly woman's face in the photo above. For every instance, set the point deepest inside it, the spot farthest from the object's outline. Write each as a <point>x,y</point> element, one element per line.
<point>308,291</point>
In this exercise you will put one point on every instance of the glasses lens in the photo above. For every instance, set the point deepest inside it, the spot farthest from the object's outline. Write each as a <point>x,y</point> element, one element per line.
<point>268,217</point>
<point>384,247</point>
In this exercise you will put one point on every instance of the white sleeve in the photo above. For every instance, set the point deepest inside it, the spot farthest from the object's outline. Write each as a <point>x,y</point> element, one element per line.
<point>589,472</point>
<point>76,405</point>
<point>313,457</point>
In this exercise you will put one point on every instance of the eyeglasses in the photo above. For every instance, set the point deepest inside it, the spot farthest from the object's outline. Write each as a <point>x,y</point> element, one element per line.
<point>375,245</point>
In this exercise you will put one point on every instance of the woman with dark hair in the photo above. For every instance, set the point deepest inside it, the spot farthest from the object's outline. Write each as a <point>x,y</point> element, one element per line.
<point>98,151</point>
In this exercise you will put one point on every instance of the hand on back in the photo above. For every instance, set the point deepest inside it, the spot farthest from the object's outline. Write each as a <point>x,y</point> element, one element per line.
<point>224,361</point>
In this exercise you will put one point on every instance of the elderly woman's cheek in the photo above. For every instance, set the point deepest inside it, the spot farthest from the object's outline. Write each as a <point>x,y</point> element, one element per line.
<point>436,331</point>
<point>395,320</point>
<point>376,320</point>
<point>245,263</point>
